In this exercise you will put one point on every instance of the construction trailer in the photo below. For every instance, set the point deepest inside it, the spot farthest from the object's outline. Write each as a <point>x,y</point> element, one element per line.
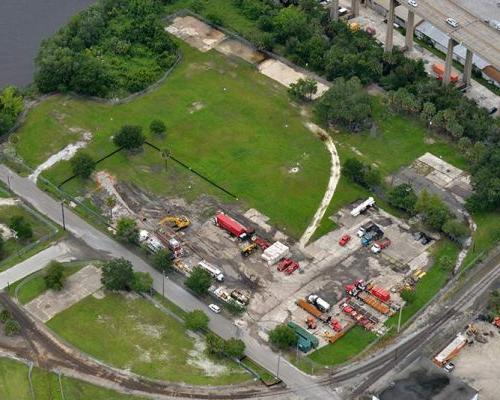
<point>450,351</point>
<point>307,341</point>
<point>311,309</point>
<point>275,252</point>
<point>215,272</point>
<point>232,226</point>
<point>370,202</point>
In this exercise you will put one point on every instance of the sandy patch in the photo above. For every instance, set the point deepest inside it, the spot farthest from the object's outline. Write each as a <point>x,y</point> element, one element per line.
<point>196,33</point>
<point>286,75</point>
<point>8,202</point>
<point>6,233</point>
<point>107,182</point>
<point>65,154</point>
<point>232,47</point>
<point>196,106</point>
<point>99,295</point>
<point>153,331</point>
<point>197,358</point>
<point>332,182</point>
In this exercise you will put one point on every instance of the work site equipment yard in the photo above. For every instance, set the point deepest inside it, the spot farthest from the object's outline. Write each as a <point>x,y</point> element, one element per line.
<point>325,288</point>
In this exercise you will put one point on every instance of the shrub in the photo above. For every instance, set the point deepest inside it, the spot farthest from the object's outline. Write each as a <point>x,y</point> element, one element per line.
<point>142,282</point>
<point>162,260</point>
<point>127,231</point>
<point>199,281</point>
<point>82,164</point>
<point>118,274</point>
<point>129,137</point>
<point>283,337</point>
<point>4,316</point>
<point>12,327</point>
<point>157,127</point>
<point>22,227</point>
<point>196,320</point>
<point>54,278</point>
<point>234,348</point>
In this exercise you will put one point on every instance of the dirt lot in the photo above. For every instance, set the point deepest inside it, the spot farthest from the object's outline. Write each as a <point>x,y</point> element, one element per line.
<point>475,363</point>
<point>196,33</point>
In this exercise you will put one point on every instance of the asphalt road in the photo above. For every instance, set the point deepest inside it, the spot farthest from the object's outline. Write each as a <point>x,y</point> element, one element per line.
<point>303,385</point>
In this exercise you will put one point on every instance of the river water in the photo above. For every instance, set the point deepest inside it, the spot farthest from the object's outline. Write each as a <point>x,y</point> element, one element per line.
<point>23,25</point>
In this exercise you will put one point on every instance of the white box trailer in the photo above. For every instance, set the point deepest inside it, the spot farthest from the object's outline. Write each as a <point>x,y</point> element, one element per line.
<point>363,206</point>
<point>275,252</point>
<point>450,351</point>
<point>212,270</point>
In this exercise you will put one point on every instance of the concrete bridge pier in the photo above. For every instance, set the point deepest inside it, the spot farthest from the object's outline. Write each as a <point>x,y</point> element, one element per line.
<point>468,67</point>
<point>410,30</point>
<point>334,10</point>
<point>390,27</point>
<point>449,61</point>
<point>355,8</point>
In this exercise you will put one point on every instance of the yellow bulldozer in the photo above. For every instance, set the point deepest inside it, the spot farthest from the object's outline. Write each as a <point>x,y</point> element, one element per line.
<point>176,222</point>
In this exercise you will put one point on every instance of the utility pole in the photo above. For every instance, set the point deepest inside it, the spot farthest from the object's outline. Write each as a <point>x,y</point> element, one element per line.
<point>163,287</point>
<point>8,181</point>
<point>399,318</point>
<point>278,369</point>
<point>62,212</point>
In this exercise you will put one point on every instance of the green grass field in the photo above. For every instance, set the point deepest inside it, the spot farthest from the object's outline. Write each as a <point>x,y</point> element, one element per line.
<point>34,285</point>
<point>12,246</point>
<point>133,334</point>
<point>14,385</point>
<point>245,138</point>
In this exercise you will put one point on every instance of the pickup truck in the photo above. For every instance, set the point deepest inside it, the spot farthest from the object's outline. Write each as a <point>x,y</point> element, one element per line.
<point>380,245</point>
<point>372,235</point>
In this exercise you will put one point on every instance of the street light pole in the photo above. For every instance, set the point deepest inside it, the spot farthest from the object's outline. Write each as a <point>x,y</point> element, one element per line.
<point>399,318</point>
<point>8,181</point>
<point>163,287</point>
<point>62,212</point>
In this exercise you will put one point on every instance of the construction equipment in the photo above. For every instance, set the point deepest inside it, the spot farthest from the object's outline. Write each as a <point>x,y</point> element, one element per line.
<point>382,294</point>
<point>370,202</point>
<point>284,264</point>
<point>215,272</point>
<point>177,222</point>
<point>306,341</point>
<point>317,301</point>
<point>311,323</point>
<point>262,243</point>
<point>374,303</point>
<point>332,337</point>
<point>239,295</point>
<point>247,249</point>
<point>302,303</point>
<point>294,266</point>
<point>232,226</point>
<point>335,324</point>
<point>450,351</point>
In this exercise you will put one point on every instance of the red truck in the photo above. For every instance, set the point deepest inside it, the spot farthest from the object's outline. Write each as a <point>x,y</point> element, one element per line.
<point>284,264</point>
<point>227,223</point>
<point>294,266</point>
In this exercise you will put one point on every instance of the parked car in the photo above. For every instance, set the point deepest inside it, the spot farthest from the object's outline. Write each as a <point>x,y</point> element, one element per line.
<point>452,22</point>
<point>449,367</point>
<point>344,240</point>
<point>412,3</point>
<point>215,308</point>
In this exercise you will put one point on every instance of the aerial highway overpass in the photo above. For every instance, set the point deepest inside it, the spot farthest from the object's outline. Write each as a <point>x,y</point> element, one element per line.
<point>473,33</point>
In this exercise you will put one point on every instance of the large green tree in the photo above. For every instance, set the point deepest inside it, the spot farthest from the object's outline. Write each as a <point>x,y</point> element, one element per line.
<point>129,137</point>
<point>196,320</point>
<point>118,274</point>
<point>199,281</point>
<point>283,337</point>
<point>82,164</point>
<point>54,277</point>
<point>127,231</point>
<point>11,105</point>
<point>346,104</point>
<point>21,227</point>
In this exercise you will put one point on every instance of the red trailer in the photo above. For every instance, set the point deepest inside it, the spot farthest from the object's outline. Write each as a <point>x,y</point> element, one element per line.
<point>382,294</point>
<point>230,225</point>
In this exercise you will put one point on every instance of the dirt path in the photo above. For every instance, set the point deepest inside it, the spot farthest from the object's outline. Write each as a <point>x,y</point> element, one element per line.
<point>332,183</point>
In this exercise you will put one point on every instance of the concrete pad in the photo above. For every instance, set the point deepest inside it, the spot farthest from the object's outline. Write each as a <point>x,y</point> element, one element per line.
<point>232,47</point>
<point>440,165</point>
<point>286,75</point>
<point>196,33</point>
<point>258,218</point>
<point>77,287</point>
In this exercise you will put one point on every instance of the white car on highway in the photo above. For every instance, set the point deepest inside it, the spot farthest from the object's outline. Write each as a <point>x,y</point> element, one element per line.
<point>412,3</point>
<point>215,308</point>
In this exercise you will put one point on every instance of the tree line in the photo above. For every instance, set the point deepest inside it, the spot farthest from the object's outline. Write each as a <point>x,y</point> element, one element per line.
<point>304,34</point>
<point>113,48</point>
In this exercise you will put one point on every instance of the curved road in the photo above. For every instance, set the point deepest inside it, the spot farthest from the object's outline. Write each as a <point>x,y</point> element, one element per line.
<point>295,379</point>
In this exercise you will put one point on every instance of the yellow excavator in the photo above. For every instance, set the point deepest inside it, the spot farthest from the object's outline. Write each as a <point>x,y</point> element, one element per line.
<point>177,222</point>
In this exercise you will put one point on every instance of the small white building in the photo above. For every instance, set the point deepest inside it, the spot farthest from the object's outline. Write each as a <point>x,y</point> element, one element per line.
<point>275,252</point>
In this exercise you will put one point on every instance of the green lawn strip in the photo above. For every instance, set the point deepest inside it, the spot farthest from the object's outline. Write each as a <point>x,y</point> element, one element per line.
<point>170,305</point>
<point>14,385</point>
<point>244,138</point>
<point>264,374</point>
<point>429,285</point>
<point>485,238</point>
<point>34,285</point>
<point>133,334</point>
<point>347,347</point>
<point>14,246</point>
